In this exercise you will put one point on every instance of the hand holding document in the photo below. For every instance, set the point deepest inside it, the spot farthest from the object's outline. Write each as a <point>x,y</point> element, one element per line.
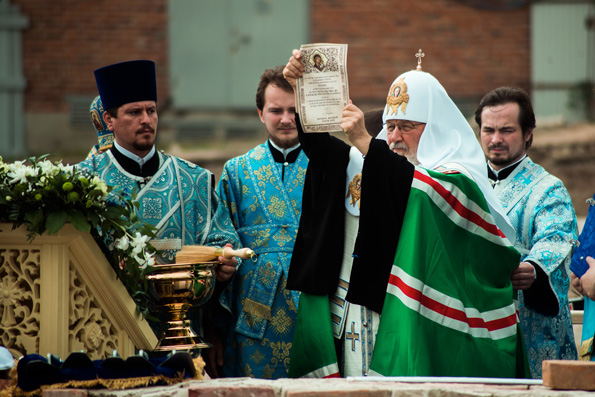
<point>323,90</point>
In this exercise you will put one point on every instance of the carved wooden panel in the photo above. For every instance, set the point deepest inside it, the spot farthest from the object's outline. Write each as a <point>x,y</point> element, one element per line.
<point>59,294</point>
<point>19,299</point>
<point>89,327</point>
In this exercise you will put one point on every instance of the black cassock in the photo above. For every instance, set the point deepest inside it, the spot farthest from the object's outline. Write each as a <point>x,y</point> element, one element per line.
<point>318,251</point>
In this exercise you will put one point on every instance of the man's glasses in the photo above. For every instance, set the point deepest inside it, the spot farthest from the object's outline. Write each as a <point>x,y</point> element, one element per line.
<point>405,126</point>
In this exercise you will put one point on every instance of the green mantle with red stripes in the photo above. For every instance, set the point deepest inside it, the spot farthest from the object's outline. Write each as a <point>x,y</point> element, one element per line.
<point>449,308</point>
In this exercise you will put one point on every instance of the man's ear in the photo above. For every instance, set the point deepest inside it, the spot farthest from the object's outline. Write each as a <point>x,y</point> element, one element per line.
<point>260,115</point>
<point>108,121</point>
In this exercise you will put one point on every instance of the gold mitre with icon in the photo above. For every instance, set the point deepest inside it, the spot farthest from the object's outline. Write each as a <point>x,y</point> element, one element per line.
<point>104,135</point>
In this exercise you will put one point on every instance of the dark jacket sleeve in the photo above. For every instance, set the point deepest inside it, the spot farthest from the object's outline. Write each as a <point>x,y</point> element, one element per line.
<point>386,183</point>
<point>540,296</point>
<point>318,250</point>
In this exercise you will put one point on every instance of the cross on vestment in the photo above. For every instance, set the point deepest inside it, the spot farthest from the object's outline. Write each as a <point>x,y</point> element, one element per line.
<point>352,335</point>
<point>419,55</point>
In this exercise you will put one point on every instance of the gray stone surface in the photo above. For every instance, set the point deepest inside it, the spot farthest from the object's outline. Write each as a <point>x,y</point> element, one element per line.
<point>340,387</point>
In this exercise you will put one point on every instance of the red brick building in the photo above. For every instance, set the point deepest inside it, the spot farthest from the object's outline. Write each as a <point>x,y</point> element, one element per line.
<point>469,49</point>
<point>67,39</point>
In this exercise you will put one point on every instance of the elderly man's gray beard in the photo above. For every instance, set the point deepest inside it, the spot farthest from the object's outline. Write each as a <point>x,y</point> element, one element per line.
<point>411,157</point>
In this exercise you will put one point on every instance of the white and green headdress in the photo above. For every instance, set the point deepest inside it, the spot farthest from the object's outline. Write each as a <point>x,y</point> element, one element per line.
<point>447,137</point>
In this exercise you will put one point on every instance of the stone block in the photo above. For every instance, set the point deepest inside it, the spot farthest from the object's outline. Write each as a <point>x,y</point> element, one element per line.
<point>569,375</point>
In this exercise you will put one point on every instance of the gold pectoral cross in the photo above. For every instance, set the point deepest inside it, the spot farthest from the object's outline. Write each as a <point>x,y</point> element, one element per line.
<point>419,55</point>
<point>352,335</point>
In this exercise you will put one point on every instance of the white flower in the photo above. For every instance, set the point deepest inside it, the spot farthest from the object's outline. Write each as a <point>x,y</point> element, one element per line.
<point>16,164</point>
<point>123,243</point>
<point>20,172</point>
<point>18,175</point>
<point>99,184</point>
<point>47,168</point>
<point>139,243</point>
<point>145,260</point>
<point>68,169</point>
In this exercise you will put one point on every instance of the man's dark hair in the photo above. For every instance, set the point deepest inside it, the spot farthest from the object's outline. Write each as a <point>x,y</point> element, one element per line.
<point>504,95</point>
<point>373,121</point>
<point>272,76</point>
<point>113,111</point>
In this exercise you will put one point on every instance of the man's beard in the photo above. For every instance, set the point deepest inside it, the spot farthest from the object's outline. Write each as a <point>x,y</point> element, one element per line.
<point>411,157</point>
<point>144,145</point>
<point>500,160</point>
<point>285,142</point>
<point>141,147</point>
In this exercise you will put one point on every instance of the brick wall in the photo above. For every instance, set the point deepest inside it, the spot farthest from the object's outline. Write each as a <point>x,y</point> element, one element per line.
<point>469,50</point>
<point>68,39</point>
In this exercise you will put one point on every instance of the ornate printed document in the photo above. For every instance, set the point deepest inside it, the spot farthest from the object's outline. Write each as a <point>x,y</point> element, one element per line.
<point>323,91</point>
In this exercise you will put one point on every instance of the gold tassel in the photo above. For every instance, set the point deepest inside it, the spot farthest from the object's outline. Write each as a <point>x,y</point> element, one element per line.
<point>199,365</point>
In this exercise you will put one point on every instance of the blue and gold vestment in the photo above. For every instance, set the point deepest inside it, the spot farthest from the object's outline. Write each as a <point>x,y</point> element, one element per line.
<point>539,207</point>
<point>179,200</point>
<point>265,208</point>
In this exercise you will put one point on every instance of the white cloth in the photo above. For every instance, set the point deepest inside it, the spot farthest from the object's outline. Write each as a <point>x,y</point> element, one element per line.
<point>447,137</point>
<point>6,359</point>
<point>356,163</point>
<point>356,325</point>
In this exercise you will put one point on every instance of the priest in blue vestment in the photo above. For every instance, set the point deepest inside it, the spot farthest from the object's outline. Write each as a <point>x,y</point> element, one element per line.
<point>262,190</point>
<point>539,207</point>
<point>175,195</point>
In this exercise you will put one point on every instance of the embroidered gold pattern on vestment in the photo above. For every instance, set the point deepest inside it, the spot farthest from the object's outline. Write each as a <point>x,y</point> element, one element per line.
<point>257,309</point>
<point>354,190</point>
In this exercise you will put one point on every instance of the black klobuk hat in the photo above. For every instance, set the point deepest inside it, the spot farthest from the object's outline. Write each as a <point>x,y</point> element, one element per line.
<point>126,82</point>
